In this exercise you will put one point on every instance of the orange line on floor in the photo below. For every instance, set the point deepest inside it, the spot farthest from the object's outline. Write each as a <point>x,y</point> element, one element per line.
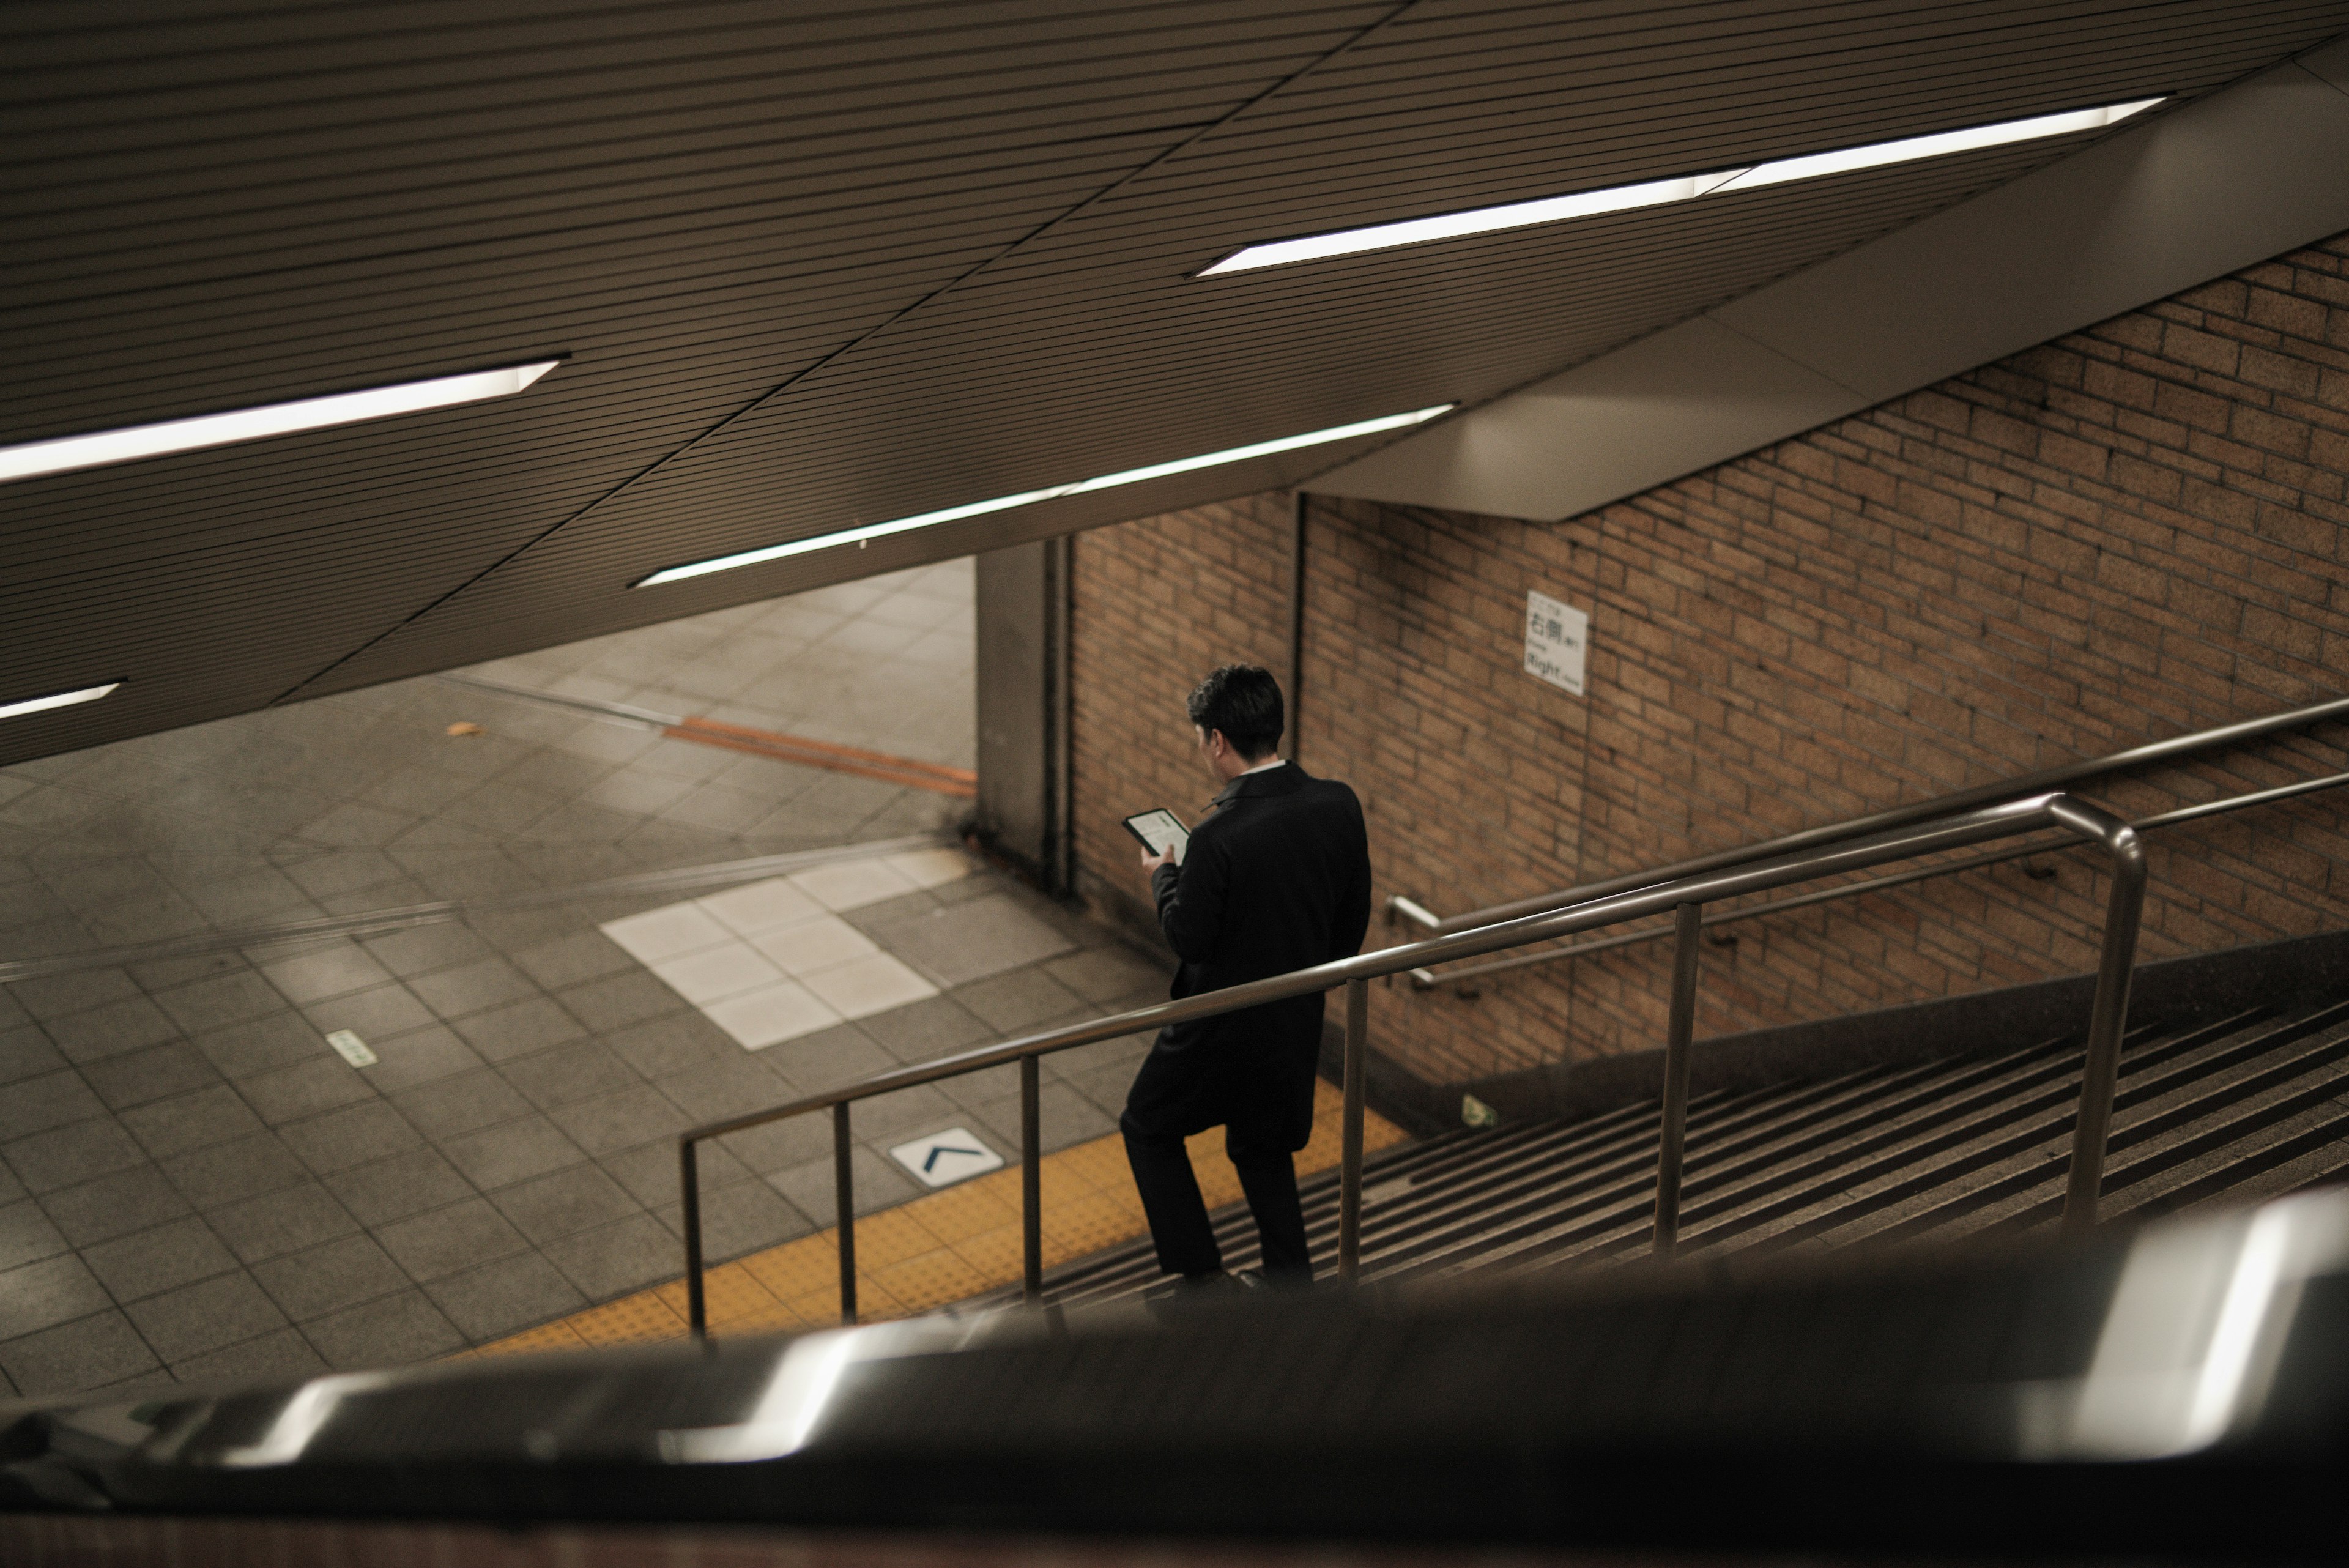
<point>961,783</point>
<point>932,1251</point>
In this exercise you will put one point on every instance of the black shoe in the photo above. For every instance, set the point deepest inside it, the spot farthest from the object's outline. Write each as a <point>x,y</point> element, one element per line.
<point>1184,1286</point>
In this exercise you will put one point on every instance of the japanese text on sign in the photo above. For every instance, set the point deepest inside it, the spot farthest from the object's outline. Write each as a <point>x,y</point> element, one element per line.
<point>1557,636</point>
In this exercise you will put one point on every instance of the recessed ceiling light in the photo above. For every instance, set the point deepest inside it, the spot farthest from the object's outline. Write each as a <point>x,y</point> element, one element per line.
<point>67,452</point>
<point>1029,497</point>
<point>57,699</point>
<point>1681,188</point>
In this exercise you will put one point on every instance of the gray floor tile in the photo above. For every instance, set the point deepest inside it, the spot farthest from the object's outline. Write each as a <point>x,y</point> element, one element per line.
<point>282,1356</point>
<point>448,1107</point>
<point>151,1262</point>
<point>512,1151</point>
<point>828,1058</point>
<point>392,1332</point>
<point>648,1173</point>
<point>726,1088</point>
<point>573,960</point>
<point>26,1053</point>
<point>209,1178</point>
<point>447,1240</point>
<point>423,950</point>
<point>617,1000</point>
<point>52,997</point>
<point>222,1311</point>
<point>134,1200</point>
<point>113,1030</point>
<point>672,1045</point>
<point>185,1122</point>
<point>742,1218</point>
<point>903,1113</point>
<point>1104,974</point>
<point>551,1207</point>
<point>311,977</point>
<point>470,988</point>
<point>424,1056</point>
<point>925,1030</point>
<point>237,997</point>
<point>978,1088</point>
<point>261,1046</point>
<point>393,1188</point>
<point>53,1100</point>
<point>618,1121</point>
<point>328,1279</point>
<point>613,1260</point>
<point>325,875</point>
<point>305,1089</point>
<point>776,1146</point>
<point>1018,1001</point>
<point>504,1297</point>
<point>519,1028</point>
<point>379,1011</point>
<point>27,1234</point>
<point>155,1074</point>
<point>40,1295</point>
<point>579,1071</point>
<point>973,940</point>
<point>1068,1118</point>
<point>84,1354</point>
<point>355,1135</point>
<point>287,1220</point>
<point>879,1184</point>
<point>67,1156</point>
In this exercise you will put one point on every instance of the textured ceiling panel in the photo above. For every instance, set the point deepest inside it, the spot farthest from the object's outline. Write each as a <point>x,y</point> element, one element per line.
<point>817,265</point>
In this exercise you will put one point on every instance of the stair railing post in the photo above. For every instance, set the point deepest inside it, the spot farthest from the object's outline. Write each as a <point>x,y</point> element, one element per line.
<point>688,1190</point>
<point>1031,1182</point>
<point>2109,1017</point>
<point>844,1197</point>
<point>1349,1159</point>
<point>1688,924</point>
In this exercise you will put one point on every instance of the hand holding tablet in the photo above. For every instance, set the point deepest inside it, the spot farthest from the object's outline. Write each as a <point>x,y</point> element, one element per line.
<point>1160,831</point>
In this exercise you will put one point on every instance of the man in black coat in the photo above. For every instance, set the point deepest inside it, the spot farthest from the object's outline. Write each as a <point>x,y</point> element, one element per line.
<point>1276,877</point>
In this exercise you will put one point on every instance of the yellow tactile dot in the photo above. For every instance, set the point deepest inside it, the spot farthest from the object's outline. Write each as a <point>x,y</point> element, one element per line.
<point>632,1319</point>
<point>942,1247</point>
<point>795,1267</point>
<point>994,1253</point>
<point>727,1291</point>
<point>932,1280</point>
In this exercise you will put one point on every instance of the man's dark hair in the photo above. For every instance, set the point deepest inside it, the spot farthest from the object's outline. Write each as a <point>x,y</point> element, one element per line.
<point>1243,701</point>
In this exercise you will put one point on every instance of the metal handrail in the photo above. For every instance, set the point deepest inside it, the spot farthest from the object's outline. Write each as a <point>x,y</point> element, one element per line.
<point>1428,980</point>
<point>2215,738</point>
<point>1686,894</point>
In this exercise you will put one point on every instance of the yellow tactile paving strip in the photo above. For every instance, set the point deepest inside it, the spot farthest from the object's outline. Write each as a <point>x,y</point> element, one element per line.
<point>939,1249</point>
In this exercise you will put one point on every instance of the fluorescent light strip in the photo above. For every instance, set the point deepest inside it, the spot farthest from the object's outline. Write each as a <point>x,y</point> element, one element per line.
<point>1624,198</point>
<point>1029,497</point>
<point>60,700</point>
<point>69,452</point>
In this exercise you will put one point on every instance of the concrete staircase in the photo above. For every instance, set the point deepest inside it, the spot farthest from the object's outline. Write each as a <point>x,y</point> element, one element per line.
<point>2227,1109</point>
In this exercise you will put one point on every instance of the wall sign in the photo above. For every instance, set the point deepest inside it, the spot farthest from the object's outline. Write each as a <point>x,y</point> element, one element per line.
<point>1557,636</point>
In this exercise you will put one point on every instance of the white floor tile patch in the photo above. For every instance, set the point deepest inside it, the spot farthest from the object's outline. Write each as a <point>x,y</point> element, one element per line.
<point>773,960</point>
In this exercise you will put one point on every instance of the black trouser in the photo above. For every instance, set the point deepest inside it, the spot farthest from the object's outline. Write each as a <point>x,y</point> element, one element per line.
<point>1263,1099</point>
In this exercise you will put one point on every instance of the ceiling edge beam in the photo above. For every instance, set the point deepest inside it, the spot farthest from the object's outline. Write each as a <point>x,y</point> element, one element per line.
<point>2211,188</point>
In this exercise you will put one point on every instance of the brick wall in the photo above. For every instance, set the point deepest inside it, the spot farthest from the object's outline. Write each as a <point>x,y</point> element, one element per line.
<point>1154,606</point>
<point>2130,532</point>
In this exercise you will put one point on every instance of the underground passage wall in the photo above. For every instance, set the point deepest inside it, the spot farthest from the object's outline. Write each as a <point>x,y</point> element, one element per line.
<point>2127,533</point>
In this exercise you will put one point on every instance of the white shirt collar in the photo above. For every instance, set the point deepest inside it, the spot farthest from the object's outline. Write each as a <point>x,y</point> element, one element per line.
<point>1263,767</point>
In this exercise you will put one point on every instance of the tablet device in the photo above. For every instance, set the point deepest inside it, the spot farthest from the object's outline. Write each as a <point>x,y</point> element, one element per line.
<point>1160,831</point>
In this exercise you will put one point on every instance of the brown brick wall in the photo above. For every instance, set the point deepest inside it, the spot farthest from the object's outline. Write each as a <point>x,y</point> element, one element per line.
<point>1154,606</point>
<point>2130,532</point>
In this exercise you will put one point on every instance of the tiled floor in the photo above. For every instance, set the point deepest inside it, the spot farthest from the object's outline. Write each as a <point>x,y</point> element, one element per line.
<point>934,1250</point>
<point>193,1184</point>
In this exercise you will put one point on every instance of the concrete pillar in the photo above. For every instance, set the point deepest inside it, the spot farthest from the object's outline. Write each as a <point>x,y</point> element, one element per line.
<point>1023,708</point>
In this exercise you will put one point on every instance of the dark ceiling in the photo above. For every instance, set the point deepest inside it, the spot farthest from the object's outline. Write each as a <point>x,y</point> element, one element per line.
<point>821,264</point>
